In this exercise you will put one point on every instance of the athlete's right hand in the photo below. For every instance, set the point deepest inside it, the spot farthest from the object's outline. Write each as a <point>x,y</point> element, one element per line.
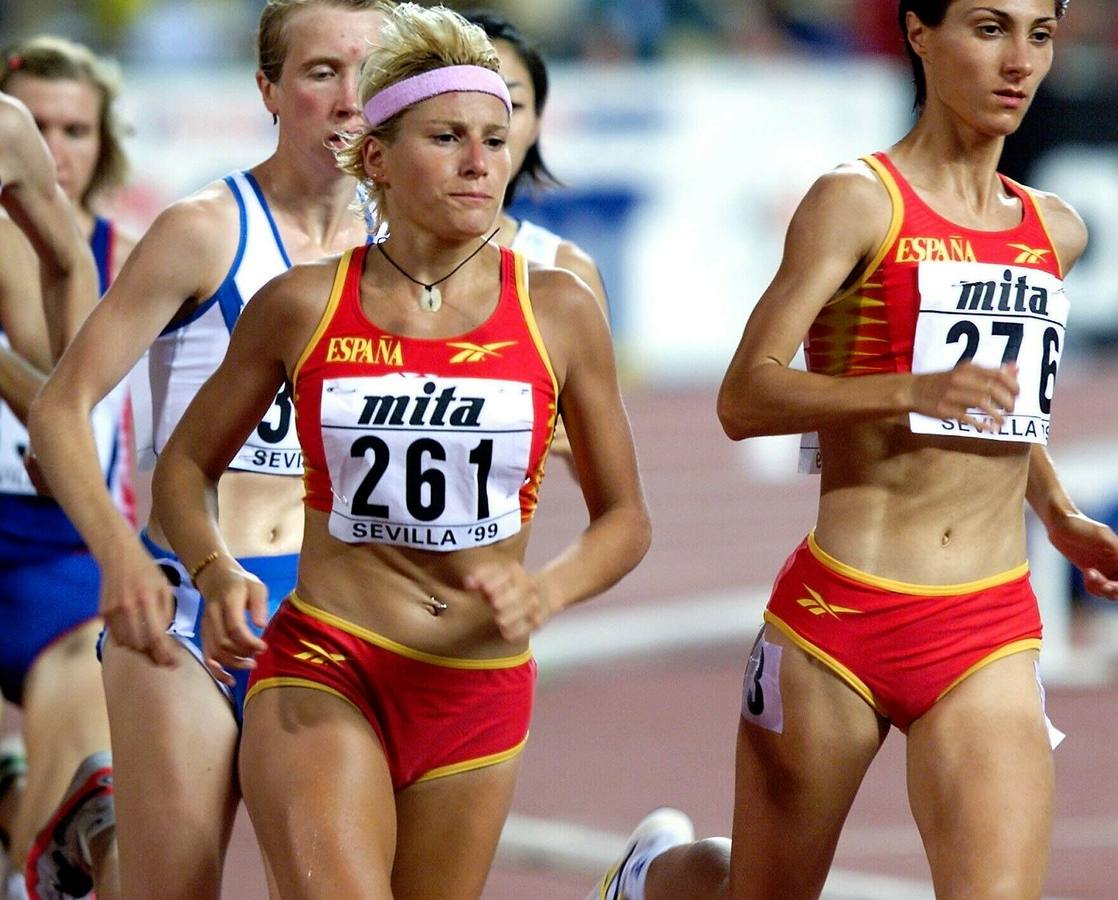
<point>137,604</point>
<point>227,641</point>
<point>954,393</point>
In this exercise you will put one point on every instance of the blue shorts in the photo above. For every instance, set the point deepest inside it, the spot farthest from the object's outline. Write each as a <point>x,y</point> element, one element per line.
<point>34,529</point>
<point>278,574</point>
<point>42,599</point>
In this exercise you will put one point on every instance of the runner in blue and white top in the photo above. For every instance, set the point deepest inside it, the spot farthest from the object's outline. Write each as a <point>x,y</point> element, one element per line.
<point>175,729</point>
<point>49,582</point>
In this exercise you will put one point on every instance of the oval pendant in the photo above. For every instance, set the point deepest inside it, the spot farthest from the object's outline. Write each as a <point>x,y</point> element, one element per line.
<point>431,299</point>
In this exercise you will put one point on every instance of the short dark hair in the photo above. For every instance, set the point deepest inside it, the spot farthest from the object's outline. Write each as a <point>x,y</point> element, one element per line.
<point>498,28</point>
<point>932,13</point>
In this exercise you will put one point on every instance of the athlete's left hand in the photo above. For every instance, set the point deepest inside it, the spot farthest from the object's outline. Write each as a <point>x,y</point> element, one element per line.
<point>518,600</point>
<point>1092,547</point>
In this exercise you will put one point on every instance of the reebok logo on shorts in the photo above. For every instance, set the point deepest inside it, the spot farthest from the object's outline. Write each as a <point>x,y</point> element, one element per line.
<point>817,606</point>
<point>318,656</point>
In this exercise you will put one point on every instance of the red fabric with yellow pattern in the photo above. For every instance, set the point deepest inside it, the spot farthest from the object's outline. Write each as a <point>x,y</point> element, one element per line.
<point>869,328</point>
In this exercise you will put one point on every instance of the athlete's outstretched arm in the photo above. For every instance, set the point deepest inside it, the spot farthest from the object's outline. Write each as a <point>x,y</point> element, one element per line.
<point>269,336</point>
<point>578,341</point>
<point>834,233</point>
<point>162,272</point>
<point>30,193</point>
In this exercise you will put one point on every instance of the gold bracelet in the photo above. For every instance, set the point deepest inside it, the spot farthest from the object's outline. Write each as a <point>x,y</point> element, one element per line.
<point>197,570</point>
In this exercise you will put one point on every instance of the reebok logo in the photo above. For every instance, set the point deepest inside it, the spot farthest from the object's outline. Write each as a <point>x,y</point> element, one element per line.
<point>817,606</point>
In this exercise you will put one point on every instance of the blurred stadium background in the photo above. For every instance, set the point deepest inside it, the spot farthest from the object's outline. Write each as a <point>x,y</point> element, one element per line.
<point>685,132</point>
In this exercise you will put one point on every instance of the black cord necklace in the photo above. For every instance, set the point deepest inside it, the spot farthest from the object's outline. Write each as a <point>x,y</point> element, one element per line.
<point>431,297</point>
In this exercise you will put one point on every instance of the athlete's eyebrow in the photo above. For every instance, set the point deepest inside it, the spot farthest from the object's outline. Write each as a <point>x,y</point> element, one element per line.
<point>1003,15</point>
<point>463,125</point>
<point>321,61</point>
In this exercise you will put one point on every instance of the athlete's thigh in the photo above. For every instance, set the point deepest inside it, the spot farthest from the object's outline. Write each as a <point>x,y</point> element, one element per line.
<point>174,741</point>
<point>317,788</point>
<point>794,787</point>
<point>448,829</point>
<point>981,777</point>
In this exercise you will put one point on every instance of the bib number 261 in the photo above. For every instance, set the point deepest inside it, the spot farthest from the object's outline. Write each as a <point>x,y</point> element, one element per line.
<point>424,484</point>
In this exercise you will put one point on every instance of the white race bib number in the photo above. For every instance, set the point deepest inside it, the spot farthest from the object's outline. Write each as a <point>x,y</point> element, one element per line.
<point>13,444</point>
<point>992,314</point>
<point>104,420</point>
<point>426,462</point>
<point>811,457</point>
<point>273,447</point>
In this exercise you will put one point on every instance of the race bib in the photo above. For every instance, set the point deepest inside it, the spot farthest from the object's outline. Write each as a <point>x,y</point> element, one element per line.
<point>104,421</point>
<point>811,457</point>
<point>273,448</point>
<point>13,443</point>
<point>426,462</point>
<point>992,314</point>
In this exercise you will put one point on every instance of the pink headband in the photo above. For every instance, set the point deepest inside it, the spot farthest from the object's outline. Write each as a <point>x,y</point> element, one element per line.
<point>384,104</point>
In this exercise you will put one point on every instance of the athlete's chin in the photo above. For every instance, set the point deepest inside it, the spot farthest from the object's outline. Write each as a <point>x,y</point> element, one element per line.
<point>1001,126</point>
<point>467,226</point>
<point>1006,122</point>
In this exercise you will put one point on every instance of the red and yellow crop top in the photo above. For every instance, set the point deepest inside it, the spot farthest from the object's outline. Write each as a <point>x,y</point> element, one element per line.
<point>870,328</point>
<point>437,444</point>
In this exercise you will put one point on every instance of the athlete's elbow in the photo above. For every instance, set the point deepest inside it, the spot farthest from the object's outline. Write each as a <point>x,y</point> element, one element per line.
<point>733,414</point>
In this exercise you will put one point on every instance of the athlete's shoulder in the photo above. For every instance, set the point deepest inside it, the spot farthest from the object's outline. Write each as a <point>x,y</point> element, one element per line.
<point>286,310</point>
<point>853,185</point>
<point>1065,226</point>
<point>299,290</point>
<point>848,209</point>
<point>573,258</point>
<point>201,223</point>
<point>562,302</point>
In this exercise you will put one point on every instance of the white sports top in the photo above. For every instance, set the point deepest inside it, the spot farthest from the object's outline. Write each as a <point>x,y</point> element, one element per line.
<point>536,243</point>
<point>188,352</point>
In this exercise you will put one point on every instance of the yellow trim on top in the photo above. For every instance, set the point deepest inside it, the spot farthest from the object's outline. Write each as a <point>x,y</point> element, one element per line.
<point>859,686</point>
<point>520,264</point>
<point>904,587</point>
<point>895,224</point>
<point>379,640</point>
<point>328,313</point>
<point>1001,653</point>
<point>1032,195</point>
<point>470,764</point>
<point>290,681</point>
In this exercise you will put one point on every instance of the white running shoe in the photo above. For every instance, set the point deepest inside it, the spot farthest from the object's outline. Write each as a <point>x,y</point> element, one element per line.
<point>660,830</point>
<point>12,886</point>
<point>60,865</point>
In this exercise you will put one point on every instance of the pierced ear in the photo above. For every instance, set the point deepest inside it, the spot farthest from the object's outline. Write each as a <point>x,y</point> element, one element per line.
<point>267,94</point>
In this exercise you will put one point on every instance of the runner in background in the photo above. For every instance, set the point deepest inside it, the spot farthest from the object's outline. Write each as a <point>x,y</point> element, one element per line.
<point>174,729</point>
<point>525,72</point>
<point>62,830</point>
